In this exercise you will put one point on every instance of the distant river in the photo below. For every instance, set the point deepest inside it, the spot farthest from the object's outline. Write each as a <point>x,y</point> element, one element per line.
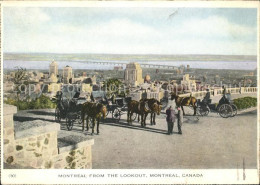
<point>239,65</point>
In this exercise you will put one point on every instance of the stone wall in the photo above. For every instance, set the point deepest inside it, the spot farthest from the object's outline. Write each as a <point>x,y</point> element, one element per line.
<point>40,149</point>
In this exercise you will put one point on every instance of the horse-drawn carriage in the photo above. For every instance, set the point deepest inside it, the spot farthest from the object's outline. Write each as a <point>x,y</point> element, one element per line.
<point>225,107</point>
<point>118,107</point>
<point>68,109</point>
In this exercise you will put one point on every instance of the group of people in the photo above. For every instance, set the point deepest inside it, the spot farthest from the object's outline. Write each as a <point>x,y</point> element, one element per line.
<point>171,117</point>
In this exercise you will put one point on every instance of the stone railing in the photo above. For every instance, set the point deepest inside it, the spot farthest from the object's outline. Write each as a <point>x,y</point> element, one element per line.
<point>41,144</point>
<point>217,92</point>
<point>198,94</point>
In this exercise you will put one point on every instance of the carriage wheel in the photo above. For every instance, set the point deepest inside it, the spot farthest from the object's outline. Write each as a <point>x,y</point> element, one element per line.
<point>234,108</point>
<point>69,122</point>
<point>116,114</point>
<point>203,111</point>
<point>225,111</point>
<point>57,115</point>
<point>133,116</point>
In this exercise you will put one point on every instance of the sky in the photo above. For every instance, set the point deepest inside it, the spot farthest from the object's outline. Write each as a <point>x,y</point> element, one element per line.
<point>226,31</point>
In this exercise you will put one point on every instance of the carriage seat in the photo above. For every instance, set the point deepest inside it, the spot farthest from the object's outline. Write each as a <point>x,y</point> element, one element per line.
<point>209,101</point>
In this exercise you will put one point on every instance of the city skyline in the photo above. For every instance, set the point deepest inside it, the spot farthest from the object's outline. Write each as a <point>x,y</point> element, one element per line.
<point>214,31</point>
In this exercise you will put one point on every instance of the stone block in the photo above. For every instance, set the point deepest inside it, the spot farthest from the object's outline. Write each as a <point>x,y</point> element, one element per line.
<point>20,155</point>
<point>10,139</point>
<point>59,165</point>
<point>10,148</point>
<point>59,157</point>
<point>30,139</point>
<point>34,144</point>
<point>19,147</point>
<point>9,109</point>
<point>48,164</point>
<point>46,141</point>
<point>9,159</point>
<point>9,134</point>
<point>55,151</point>
<point>22,162</point>
<point>40,138</point>
<point>39,163</point>
<point>36,154</point>
<point>6,141</point>
<point>33,163</point>
<point>30,154</point>
<point>88,165</point>
<point>8,121</point>
<point>29,149</point>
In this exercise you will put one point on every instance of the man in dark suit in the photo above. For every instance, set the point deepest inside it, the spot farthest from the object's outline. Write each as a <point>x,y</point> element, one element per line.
<point>170,119</point>
<point>180,120</point>
<point>207,97</point>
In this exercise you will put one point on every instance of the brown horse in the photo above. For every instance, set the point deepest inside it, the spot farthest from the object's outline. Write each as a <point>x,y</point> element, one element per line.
<point>152,106</point>
<point>143,107</point>
<point>94,111</point>
<point>184,101</point>
<point>133,107</point>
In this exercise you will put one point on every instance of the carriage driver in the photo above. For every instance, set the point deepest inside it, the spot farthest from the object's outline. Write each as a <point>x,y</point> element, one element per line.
<point>207,97</point>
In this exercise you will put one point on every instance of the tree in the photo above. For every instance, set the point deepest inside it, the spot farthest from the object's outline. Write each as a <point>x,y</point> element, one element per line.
<point>114,86</point>
<point>20,78</point>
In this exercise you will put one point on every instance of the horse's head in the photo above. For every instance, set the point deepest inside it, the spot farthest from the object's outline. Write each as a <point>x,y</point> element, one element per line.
<point>173,96</point>
<point>102,109</point>
<point>157,107</point>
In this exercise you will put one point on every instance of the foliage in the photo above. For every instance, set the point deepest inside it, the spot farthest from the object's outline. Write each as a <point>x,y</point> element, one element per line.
<point>20,75</point>
<point>114,86</point>
<point>43,102</point>
<point>246,102</point>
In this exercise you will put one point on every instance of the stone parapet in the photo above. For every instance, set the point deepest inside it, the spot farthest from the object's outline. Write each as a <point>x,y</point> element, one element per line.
<point>33,128</point>
<point>41,144</point>
<point>9,109</point>
<point>68,141</point>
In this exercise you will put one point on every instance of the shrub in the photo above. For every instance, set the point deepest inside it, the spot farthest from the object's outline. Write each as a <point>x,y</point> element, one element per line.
<point>43,102</point>
<point>246,102</point>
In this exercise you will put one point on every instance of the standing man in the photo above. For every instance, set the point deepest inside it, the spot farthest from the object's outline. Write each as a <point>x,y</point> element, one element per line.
<point>180,119</point>
<point>170,119</point>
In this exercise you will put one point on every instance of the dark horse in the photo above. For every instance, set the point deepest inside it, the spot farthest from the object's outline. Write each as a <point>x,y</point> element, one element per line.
<point>94,111</point>
<point>184,101</point>
<point>133,107</point>
<point>143,107</point>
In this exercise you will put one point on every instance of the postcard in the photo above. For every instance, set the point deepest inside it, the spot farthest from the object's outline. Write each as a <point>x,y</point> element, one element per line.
<point>130,92</point>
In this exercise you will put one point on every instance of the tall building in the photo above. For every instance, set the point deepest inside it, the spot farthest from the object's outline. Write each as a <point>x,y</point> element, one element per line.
<point>133,74</point>
<point>53,68</point>
<point>67,74</point>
